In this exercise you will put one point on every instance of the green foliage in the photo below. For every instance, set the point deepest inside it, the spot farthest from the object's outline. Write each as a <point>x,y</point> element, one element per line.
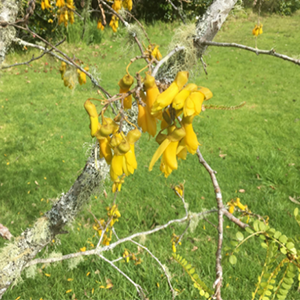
<point>283,7</point>
<point>198,284</point>
<point>163,10</point>
<point>281,254</point>
<point>92,35</point>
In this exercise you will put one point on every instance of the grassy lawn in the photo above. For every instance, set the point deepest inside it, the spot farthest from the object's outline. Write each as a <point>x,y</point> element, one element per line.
<point>44,138</point>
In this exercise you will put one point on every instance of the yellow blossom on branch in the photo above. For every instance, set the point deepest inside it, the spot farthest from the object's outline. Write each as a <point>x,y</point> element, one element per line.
<point>257,30</point>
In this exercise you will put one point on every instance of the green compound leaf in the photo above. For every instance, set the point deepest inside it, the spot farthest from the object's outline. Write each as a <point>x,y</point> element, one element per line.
<point>249,230</point>
<point>239,236</point>
<point>290,245</point>
<point>283,251</point>
<point>296,211</point>
<point>256,225</point>
<point>283,239</point>
<point>233,259</point>
<point>264,245</point>
<point>277,234</point>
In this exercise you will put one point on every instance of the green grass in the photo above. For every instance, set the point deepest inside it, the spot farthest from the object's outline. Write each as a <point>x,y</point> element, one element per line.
<point>44,136</point>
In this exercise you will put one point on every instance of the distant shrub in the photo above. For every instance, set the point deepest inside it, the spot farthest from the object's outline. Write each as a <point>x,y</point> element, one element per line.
<point>284,7</point>
<point>151,11</point>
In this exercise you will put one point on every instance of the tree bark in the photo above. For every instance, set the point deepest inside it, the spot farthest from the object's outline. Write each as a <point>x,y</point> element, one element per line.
<point>8,14</point>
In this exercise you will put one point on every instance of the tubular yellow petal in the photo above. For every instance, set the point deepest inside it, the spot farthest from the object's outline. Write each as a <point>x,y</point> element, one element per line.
<point>160,150</point>
<point>193,104</point>
<point>181,79</point>
<point>169,155</point>
<point>124,166</point>
<point>190,139</point>
<point>105,150</point>
<point>181,151</point>
<point>116,168</point>
<point>164,99</point>
<point>206,92</point>
<point>88,105</point>
<point>94,125</point>
<point>131,160</point>
<point>151,123</point>
<point>180,98</point>
<point>142,121</point>
<point>133,136</point>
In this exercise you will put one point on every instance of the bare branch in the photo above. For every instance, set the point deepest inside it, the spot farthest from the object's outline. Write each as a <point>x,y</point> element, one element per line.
<point>34,58</point>
<point>178,11</point>
<point>219,271</point>
<point>161,265</point>
<point>271,52</point>
<point>138,287</point>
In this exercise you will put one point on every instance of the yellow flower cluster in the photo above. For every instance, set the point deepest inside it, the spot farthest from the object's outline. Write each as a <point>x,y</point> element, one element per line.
<point>69,80</point>
<point>45,4</point>
<point>115,147</point>
<point>114,23</point>
<point>178,99</point>
<point>131,256</point>
<point>257,30</point>
<point>153,49</point>
<point>237,203</point>
<point>100,25</point>
<point>174,240</point>
<point>100,225</point>
<point>65,12</point>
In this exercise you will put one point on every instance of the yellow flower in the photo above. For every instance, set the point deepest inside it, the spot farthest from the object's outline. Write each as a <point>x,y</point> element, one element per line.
<point>156,53</point>
<point>50,21</point>
<point>190,139</point>
<point>92,111</point>
<point>181,97</point>
<point>100,25</point>
<point>164,99</point>
<point>168,149</point>
<point>114,23</point>
<point>45,4</point>
<point>83,249</point>
<point>105,150</point>
<point>193,104</point>
<point>257,30</point>
<point>127,4</point>
<point>125,83</point>
<point>68,291</point>
<point>117,5</point>
<point>60,3</point>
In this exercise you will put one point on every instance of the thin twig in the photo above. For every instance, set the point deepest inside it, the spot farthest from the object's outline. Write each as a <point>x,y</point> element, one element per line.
<point>161,265</point>
<point>271,52</point>
<point>219,272</point>
<point>138,287</point>
<point>34,58</point>
<point>140,24</point>
<point>69,60</point>
<point>178,11</point>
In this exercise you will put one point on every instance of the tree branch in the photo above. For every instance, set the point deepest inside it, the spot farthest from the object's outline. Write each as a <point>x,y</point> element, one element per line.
<point>271,52</point>
<point>219,271</point>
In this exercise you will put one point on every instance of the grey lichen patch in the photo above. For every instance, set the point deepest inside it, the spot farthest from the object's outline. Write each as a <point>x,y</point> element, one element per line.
<point>133,31</point>
<point>40,232</point>
<point>54,255</point>
<point>74,262</point>
<point>8,13</point>
<point>194,221</point>
<point>186,60</point>
<point>31,271</point>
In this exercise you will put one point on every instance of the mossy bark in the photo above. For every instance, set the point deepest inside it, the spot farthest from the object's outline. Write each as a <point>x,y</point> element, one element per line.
<point>15,255</point>
<point>8,13</point>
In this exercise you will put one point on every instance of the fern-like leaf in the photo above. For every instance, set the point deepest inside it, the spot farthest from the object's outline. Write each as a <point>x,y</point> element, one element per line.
<point>200,285</point>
